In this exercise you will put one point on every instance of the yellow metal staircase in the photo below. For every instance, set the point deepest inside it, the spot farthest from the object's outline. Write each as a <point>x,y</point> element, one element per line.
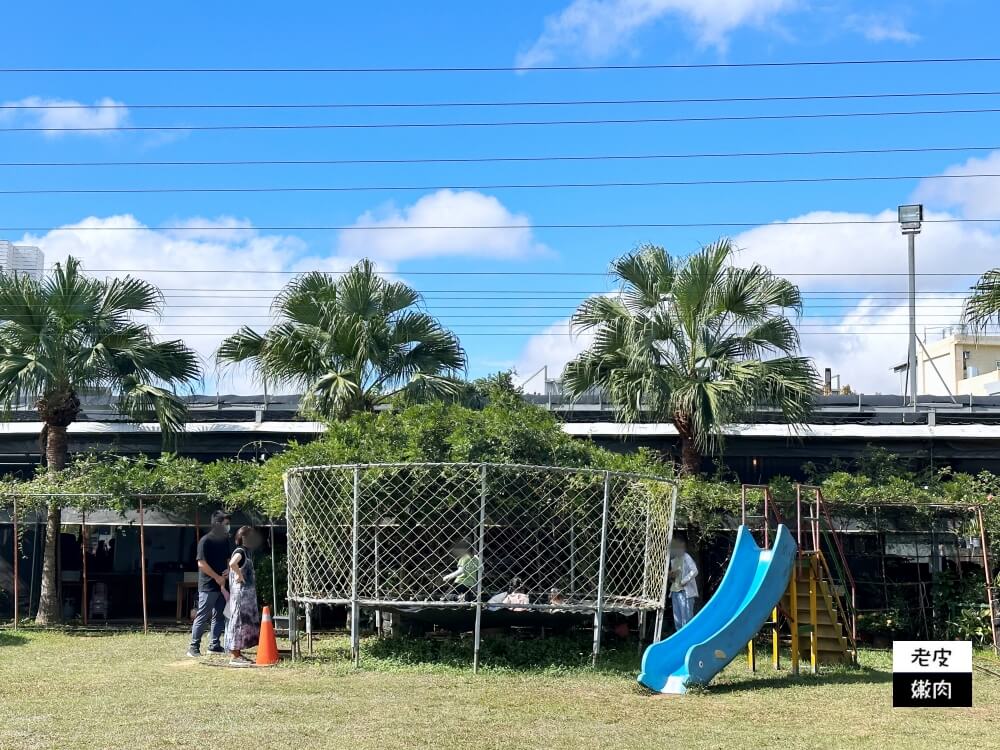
<point>821,629</point>
<point>818,607</point>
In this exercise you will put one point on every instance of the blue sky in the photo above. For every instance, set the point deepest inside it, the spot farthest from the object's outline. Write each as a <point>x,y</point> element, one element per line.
<point>845,311</point>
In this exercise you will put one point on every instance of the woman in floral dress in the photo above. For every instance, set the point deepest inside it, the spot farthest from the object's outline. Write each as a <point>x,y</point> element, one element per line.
<point>243,625</point>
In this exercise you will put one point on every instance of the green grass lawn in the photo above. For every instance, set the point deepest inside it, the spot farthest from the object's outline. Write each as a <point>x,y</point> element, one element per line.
<point>65,690</point>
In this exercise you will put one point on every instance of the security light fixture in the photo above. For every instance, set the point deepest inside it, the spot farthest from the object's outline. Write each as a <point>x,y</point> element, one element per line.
<point>911,217</point>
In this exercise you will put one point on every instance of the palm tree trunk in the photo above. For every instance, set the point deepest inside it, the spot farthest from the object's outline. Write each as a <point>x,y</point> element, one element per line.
<point>690,455</point>
<point>49,606</point>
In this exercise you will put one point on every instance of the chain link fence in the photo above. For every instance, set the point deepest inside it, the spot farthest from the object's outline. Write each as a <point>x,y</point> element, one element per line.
<point>519,537</point>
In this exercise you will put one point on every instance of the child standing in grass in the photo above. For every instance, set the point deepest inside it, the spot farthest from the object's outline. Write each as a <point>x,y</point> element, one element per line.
<point>684,583</point>
<point>466,575</point>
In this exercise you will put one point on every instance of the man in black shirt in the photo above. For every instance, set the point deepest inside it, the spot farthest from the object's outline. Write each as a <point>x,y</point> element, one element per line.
<point>213,567</point>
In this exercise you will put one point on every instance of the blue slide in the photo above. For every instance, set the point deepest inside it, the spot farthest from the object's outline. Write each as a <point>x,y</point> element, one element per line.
<point>751,588</point>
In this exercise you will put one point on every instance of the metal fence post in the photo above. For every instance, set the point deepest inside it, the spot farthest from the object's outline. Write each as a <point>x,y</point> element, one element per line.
<point>661,611</point>
<point>990,600</point>
<point>83,565</point>
<point>355,609</point>
<point>274,571</point>
<point>482,570</point>
<point>599,613</point>
<point>289,564</point>
<point>142,564</point>
<point>17,554</point>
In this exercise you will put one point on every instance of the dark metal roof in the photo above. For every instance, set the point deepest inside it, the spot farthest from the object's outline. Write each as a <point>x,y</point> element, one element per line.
<point>827,410</point>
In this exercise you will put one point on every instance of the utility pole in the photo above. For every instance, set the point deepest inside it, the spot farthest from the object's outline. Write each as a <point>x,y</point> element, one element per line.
<point>910,220</point>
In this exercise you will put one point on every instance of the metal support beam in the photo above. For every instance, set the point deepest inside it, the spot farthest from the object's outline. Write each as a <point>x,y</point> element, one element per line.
<point>793,612</point>
<point>482,570</point>
<point>83,562</point>
<point>599,613</point>
<point>813,617</point>
<point>990,598</point>
<point>937,371</point>
<point>912,350</point>
<point>142,565</point>
<point>17,573</point>
<point>355,609</point>
<point>274,569</point>
<point>661,612</point>
<point>775,641</point>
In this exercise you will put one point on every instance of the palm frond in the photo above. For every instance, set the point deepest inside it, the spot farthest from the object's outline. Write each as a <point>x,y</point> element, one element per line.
<point>145,402</point>
<point>700,343</point>
<point>349,341</point>
<point>983,306</point>
<point>245,344</point>
<point>70,334</point>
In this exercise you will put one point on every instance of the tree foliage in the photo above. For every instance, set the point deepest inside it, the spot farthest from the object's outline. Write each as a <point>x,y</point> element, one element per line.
<point>698,342</point>
<point>350,343</point>
<point>507,430</point>
<point>70,335</point>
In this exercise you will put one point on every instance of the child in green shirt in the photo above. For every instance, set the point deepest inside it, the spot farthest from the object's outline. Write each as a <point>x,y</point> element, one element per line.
<point>466,575</point>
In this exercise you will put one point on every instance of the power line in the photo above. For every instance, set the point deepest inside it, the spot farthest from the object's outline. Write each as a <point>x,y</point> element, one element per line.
<point>495,159</point>
<point>164,319</point>
<point>466,335</point>
<point>863,327</point>
<point>552,295</point>
<point>493,273</point>
<point>492,124</point>
<point>565,309</point>
<point>497,186</point>
<point>512,68</point>
<point>19,106</point>
<point>549,292</point>
<point>410,227</point>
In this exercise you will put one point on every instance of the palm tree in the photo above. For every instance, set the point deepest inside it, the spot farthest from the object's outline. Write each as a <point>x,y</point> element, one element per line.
<point>698,342</point>
<point>350,343</point>
<point>983,307</point>
<point>68,335</point>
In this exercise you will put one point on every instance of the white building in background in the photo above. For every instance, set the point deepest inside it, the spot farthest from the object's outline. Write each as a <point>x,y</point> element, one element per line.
<point>21,259</point>
<point>961,363</point>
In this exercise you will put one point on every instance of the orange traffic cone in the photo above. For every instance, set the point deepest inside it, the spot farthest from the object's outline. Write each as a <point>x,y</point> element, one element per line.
<point>267,648</point>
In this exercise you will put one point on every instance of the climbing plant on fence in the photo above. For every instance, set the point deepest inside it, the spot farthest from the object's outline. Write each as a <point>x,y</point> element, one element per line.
<point>507,430</point>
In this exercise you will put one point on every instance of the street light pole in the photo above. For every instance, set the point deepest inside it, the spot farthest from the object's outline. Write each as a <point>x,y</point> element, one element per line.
<point>910,219</point>
<point>912,355</point>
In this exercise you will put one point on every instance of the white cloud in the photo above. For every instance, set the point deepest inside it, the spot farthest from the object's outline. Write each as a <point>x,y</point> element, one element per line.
<point>877,27</point>
<point>444,208</point>
<point>59,114</point>
<point>553,347</point>
<point>599,28</point>
<point>975,197</point>
<point>201,307</point>
<point>230,254</point>
<point>863,257</point>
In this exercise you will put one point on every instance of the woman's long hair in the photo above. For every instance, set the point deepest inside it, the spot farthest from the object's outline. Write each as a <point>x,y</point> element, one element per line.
<point>242,534</point>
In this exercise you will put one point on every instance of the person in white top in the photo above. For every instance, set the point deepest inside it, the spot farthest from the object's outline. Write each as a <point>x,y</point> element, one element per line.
<point>683,583</point>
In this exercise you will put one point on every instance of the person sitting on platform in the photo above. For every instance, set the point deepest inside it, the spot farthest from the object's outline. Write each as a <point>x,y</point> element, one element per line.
<point>516,594</point>
<point>466,575</point>
<point>684,583</point>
